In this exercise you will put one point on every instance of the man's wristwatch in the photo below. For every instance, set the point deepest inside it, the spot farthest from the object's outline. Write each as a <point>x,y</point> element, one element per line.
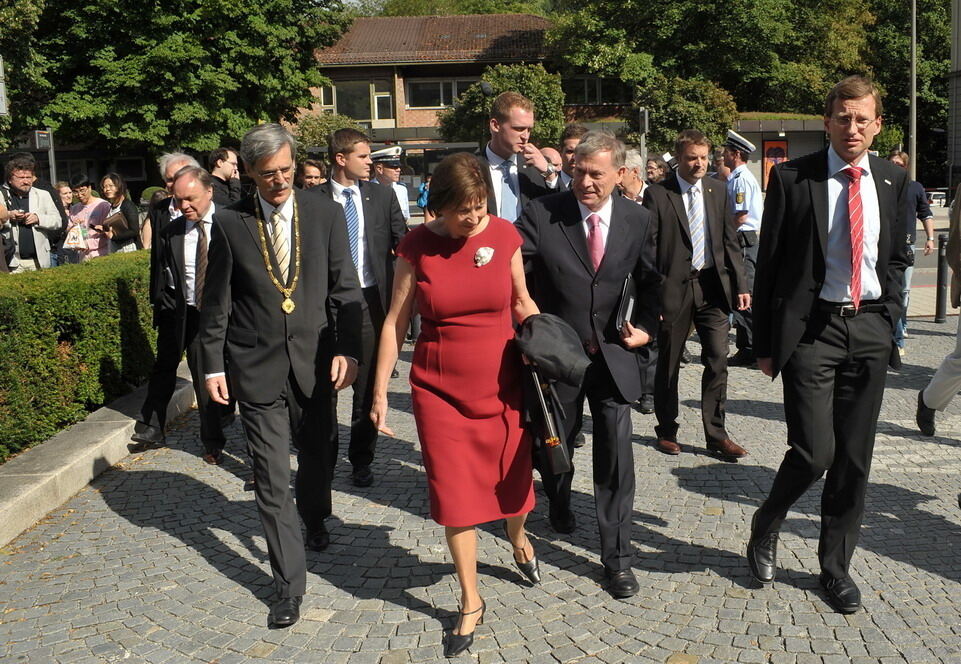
<point>550,171</point>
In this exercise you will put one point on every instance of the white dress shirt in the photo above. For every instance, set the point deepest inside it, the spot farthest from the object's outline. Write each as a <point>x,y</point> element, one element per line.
<point>604,213</point>
<point>497,177</point>
<point>837,275</point>
<point>685,187</point>
<point>191,238</point>
<point>363,269</point>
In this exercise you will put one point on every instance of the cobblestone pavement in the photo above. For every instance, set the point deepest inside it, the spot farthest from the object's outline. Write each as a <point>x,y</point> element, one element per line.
<point>162,559</point>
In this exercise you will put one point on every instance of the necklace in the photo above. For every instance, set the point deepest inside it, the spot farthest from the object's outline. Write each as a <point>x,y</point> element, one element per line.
<point>287,305</point>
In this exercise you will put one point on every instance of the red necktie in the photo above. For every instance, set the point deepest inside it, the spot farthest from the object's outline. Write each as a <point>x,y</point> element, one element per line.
<point>595,243</point>
<point>856,220</point>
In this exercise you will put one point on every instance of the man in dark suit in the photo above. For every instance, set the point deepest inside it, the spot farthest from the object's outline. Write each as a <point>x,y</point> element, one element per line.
<point>580,246</point>
<point>375,226</point>
<point>827,296</point>
<point>182,251</point>
<point>515,167</point>
<point>149,429</point>
<point>700,260</point>
<point>278,263</point>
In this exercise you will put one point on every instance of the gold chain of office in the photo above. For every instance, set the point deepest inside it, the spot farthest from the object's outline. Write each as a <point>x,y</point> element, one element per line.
<point>288,304</point>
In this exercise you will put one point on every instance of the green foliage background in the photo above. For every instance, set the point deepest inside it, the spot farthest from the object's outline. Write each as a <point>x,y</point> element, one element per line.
<point>71,340</point>
<point>313,130</point>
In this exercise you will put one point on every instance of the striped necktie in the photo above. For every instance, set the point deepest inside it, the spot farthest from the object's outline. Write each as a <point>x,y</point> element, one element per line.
<point>280,242</point>
<point>695,220</point>
<point>200,264</point>
<point>856,219</point>
<point>353,226</point>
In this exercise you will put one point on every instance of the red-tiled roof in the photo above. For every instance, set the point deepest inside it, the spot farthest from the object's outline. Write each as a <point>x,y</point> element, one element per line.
<point>473,38</point>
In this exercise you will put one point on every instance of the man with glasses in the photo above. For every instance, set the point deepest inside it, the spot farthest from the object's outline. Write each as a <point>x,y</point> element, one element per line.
<point>31,216</point>
<point>279,261</point>
<point>826,298</point>
<point>226,176</point>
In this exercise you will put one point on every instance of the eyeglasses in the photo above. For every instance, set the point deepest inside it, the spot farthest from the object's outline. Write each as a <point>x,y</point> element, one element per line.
<point>270,175</point>
<point>846,120</point>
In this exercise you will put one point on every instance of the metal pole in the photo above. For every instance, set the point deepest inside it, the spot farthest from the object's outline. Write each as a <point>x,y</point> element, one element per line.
<point>941,307</point>
<point>913,120</point>
<point>52,158</point>
<point>642,143</point>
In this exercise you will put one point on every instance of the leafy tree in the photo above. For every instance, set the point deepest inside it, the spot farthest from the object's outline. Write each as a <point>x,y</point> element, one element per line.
<point>19,19</point>
<point>312,130</point>
<point>187,73</point>
<point>467,120</point>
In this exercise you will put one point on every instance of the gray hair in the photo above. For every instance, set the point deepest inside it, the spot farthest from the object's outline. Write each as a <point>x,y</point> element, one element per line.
<point>634,160</point>
<point>200,174</point>
<point>601,141</point>
<point>170,158</point>
<point>264,141</point>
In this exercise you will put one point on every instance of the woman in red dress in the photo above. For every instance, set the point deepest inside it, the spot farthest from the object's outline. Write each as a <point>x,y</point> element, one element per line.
<point>464,270</point>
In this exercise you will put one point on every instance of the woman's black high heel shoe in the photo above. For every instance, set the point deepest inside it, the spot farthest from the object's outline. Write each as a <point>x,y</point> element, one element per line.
<point>531,569</point>
<point>458,643</point>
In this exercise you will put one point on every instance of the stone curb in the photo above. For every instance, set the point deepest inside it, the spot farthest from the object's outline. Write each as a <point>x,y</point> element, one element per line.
<point>41,479</point>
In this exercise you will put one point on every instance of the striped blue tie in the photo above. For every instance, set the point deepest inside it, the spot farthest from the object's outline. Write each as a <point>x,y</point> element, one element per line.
<point>695,219</point>
<point>508,195</point>
<point>353,226</point>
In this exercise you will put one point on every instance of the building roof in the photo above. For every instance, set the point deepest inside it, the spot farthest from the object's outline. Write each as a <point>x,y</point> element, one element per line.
<point>422,39</point>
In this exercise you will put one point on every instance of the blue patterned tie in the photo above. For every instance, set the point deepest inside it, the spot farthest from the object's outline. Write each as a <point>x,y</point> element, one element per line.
<point>353,226</point>
<point>695,219</point>
<point>508,195</point>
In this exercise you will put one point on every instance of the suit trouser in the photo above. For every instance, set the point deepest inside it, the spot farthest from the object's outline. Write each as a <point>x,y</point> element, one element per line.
<point>613,461</point>
<point>363,433</point>
<point>744,320</point>
<point>946,381</point>
<point>647,360</point>
<point>833,385</point>
<point>702,305</point>
<point>163,380</point>
<point>270,428</point>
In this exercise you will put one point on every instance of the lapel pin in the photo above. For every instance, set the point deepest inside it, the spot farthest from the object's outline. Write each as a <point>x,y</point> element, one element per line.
<point>887,182</point>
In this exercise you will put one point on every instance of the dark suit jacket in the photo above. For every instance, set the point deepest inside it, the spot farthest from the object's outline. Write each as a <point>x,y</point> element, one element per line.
<point>555,251</point>
<point>673,241</point>
<point>159,215</point>
<point>532,184</point>
<point>241,307</point>
<point>384,226</point>
<point>791,254</point>
<point>170,307</point>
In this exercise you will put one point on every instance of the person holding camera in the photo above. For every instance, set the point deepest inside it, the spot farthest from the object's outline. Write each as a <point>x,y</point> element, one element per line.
<point>31,215</point>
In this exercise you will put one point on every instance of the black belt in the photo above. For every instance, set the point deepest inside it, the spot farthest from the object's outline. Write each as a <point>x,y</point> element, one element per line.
<point>847,310</point>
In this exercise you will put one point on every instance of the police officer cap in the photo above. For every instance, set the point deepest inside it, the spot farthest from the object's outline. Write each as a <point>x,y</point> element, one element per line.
<point>737,142</point>
<point>389,156</point>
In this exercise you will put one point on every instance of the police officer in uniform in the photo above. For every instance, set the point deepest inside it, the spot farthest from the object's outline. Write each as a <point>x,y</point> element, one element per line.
<point>744,193</point>
<point>387,173</point>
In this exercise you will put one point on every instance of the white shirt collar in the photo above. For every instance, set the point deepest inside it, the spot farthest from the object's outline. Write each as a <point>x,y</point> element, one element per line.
<point>339,188</point>
<point>604,213</point>
<point>686,186</point>
<point>495,160</point>
<point>836,164</point>
<point>286,208</point>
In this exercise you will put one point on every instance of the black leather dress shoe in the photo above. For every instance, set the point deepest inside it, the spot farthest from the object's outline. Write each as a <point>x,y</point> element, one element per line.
<point>318,538</point>
<point>579,440</point>
<point>285,611</point>
<point>924,416</point>
<point>145,437</point>
<point>843,594</point>
<point>362,476</point>
<point>621,583</point>
<point>742,358</point>
<point>762,555</point>
<point>562,521</point>
<point>646,404</point>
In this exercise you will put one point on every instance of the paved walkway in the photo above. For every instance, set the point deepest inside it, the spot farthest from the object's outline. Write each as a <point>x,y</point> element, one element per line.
<point>161,559</point>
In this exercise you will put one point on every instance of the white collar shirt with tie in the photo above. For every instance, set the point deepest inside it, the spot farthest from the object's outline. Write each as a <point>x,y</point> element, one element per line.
<point>837,263</point>
<point>604,213</point>
<point>191,237</point>
<point>698,199</point>
<point>497,177</point>
<point>363,269</point>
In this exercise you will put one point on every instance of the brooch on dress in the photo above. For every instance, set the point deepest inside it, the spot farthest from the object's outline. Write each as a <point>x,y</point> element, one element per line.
<point>483,256</point>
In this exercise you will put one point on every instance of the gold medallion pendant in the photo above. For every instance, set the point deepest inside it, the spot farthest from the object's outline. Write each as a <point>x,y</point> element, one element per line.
<point>287,305</point>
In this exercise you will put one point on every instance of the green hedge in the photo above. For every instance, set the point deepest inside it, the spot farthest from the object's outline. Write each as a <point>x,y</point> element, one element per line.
<point>71,339</point>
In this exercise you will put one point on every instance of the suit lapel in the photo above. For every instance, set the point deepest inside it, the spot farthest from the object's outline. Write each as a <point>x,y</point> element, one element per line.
<point>713,204</point>
<point>887,202</point>
<point>248,215</point>
<point>674,195</point>
<point>818,184</point>
<point>617,235</point>
<point>573,228</point>
<point>368,211</point>
<point>177,242</point>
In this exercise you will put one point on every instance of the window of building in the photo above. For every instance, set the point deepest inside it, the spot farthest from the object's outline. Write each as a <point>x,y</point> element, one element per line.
<point>592,91</point>
<point>435,93</point>
<point>361,100</point>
